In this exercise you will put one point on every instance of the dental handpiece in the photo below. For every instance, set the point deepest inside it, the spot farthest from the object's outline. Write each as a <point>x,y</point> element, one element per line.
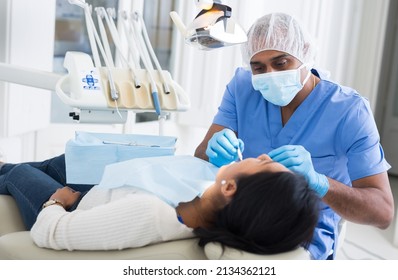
<point>240,157</point>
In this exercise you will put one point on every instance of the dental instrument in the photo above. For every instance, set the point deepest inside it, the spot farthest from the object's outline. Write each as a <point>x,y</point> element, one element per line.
<point>161,115</point>
<point>109,14</point>
<point>128,144</point>
<point>87,14</point>
<point>138,30</point>
<point>101,13</point>
<point>132,49</point>
<point>240,157</point>
<point>152,53</point>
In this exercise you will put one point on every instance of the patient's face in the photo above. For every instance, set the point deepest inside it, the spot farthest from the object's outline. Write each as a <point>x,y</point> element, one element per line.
<point>250,166</point>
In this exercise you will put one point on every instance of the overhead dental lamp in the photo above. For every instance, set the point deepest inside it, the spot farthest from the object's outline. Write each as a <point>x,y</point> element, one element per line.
<point>212,28</point>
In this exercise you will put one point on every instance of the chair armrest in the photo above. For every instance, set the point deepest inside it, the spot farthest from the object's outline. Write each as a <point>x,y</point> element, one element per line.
<point>19,246</point>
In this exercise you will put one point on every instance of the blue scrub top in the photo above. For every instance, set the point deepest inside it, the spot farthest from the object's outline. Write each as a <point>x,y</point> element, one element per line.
<point>334,123</point>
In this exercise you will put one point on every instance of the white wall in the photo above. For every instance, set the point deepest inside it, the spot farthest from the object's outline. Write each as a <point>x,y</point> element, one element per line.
<point>26,34</point>
<point>25,41</point>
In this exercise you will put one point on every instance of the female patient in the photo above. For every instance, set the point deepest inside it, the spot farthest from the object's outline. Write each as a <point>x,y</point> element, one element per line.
<point>256,205</point>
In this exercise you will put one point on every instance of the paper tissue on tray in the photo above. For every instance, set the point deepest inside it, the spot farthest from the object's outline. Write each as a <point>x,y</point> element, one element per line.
<point>87,155</point>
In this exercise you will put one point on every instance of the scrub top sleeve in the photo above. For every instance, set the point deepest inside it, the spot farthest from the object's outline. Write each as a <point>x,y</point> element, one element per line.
<point>361,141</point>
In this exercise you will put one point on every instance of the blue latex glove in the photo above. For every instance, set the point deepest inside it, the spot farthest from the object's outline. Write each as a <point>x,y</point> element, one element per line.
<point>298,159</point>
<point>223,147</point>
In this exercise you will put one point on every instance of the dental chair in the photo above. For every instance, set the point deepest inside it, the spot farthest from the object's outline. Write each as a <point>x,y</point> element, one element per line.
<point>16,244</point>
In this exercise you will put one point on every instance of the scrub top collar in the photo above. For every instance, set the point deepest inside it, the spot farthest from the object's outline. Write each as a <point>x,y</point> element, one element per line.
<point>302,114</point>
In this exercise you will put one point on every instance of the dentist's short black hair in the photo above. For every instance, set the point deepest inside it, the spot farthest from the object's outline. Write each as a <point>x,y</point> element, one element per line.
<point>271,212</point>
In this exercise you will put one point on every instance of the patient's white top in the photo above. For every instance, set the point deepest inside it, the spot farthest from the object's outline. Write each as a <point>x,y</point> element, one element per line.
<point>109,218</point>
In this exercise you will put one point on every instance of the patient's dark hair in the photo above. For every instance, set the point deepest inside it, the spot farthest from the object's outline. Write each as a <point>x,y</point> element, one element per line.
<point>270,213</point>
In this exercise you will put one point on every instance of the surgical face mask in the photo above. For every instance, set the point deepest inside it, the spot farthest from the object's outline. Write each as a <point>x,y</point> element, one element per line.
<point>280,87</point>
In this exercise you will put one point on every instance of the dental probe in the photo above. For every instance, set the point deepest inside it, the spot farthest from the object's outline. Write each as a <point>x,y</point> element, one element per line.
<point>240,154</point>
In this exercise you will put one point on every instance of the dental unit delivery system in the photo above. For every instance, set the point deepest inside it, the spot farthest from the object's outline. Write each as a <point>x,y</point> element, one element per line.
<point>212,28</point>
<point>119,88</point>
<point>105,93</point>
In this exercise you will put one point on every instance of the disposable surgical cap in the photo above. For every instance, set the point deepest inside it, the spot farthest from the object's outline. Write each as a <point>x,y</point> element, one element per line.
<point>281,32</point>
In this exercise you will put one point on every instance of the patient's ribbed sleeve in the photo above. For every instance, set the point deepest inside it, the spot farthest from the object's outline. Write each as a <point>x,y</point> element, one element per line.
<point>106,220</point>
